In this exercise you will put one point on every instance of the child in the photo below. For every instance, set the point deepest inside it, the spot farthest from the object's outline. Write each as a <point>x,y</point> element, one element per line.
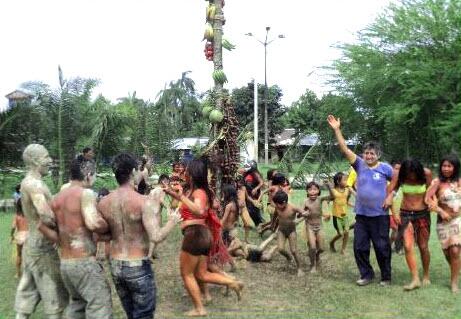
<point>314,232</point>
<point>286,214</point>
<point>230,217</point>
<point>242,196</point>
<point>340,196</point>
<point>277,184</point>
<point>19,232</point>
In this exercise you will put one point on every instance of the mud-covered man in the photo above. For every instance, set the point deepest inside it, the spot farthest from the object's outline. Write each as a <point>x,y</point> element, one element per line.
<point>133,224</point>
<point>41,278</point>
<point>77,218</point>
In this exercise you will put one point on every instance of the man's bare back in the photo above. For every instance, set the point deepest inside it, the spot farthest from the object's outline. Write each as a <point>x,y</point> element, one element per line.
<point>77,218</point>
<point>132,219</point>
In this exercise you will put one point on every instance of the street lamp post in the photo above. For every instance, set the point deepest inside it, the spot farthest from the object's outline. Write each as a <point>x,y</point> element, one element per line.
<point>266,131</point>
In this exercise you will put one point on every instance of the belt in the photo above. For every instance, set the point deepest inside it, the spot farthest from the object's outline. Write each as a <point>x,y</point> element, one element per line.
<point>130,262</point>
<point>414,212</point>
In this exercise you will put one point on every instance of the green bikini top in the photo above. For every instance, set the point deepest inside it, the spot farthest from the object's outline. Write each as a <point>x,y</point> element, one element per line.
<point>413,189</point>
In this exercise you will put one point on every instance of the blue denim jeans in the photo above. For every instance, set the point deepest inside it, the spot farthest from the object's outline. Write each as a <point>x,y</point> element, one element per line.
<point>135,284</point>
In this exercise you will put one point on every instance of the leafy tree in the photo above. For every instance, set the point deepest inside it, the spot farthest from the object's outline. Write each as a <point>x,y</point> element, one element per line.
<point>403,75</point>
<point>243,100</point>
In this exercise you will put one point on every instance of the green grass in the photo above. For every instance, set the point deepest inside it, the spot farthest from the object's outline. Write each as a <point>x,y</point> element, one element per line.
<point>273,291</point>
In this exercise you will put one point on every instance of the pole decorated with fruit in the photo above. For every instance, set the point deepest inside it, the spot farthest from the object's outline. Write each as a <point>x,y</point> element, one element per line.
<point>222,150</point>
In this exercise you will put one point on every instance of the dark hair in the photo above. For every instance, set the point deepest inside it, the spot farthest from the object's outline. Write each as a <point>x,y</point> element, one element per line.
<point>395,162</point>
<point>280,197</point>
<point>80,168</point>
<point>19,208</point>
<point>103,192</point>
<point>198,173</point>
<point>87,149</point>
<point>18,188</point>
<point>337,178</point>
<point>164,177</point>
<point>278,179</point>
<point>453,160</point>
<point>122,166</point>
<point>312,183</point>
<point>411,166</point>
<point>372,145</point>
<point>230,195</point>
<point>174,178</point>
<point>270,174</point>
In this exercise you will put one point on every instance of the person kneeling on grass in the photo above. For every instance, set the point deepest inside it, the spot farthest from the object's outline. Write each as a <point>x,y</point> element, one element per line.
<point>286,214</point>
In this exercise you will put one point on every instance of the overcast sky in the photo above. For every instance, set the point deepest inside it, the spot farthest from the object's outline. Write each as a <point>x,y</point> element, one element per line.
<point>143,44</point>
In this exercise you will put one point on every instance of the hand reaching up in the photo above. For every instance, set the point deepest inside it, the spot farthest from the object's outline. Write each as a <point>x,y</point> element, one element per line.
<point>335,123</point>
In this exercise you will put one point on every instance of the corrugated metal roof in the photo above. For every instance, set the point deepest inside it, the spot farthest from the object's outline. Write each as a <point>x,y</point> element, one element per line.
<point>188,143</point>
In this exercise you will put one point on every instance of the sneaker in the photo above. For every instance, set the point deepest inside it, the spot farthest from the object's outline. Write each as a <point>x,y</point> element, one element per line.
<point>385,283</point>
<point>364,281</point>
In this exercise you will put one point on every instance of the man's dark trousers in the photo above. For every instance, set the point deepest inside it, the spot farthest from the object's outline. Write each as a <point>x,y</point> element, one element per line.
<point>376,230</point>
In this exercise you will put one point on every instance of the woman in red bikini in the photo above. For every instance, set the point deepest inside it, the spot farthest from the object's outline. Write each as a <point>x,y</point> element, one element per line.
<point>200,226</point>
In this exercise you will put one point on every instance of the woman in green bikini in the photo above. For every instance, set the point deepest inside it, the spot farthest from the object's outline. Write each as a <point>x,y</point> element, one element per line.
<point>414,218</point>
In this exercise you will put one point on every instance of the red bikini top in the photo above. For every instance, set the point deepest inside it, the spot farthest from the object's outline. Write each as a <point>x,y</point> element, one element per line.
<point>185,212</point>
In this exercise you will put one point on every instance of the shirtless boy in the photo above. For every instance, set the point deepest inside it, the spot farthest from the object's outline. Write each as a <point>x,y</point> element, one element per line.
<point>77,218</point>
<point>133,223</point>
<point>314,231</point>
<point>277,183</point>
<point>286,214</point>
<point>41,278</point>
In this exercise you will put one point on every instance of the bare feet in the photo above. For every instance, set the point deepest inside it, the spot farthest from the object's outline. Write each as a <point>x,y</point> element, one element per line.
<point>342,252</point>
<point>412,285</point>
<point>237,286</point>
<point>313,269</point>
<point>196,313</point>
<point>454,288</point>
<point>426,282</point>
<point>300,273</point>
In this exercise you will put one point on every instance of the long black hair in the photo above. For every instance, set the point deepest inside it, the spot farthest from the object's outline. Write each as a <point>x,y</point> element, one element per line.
<point>412,165</point>
<point>337,178</point>
<point>230,195</point>
<point>453,159</point>
<point>198,173</point>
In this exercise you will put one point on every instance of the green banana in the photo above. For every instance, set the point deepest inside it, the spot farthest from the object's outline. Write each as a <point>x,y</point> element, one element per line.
<point>219,76</point>
<point>227,45</point>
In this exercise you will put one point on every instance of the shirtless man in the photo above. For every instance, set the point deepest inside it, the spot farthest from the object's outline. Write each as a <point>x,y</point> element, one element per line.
<point>134,224</point>
<point>41,278</point>
<point>77,218</point>
<point>286,214</point>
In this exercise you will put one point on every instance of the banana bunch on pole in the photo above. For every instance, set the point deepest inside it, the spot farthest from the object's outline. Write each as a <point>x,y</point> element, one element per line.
<point>223,149</point>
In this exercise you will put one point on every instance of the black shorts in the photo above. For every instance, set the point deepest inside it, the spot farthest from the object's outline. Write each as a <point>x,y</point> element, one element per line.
<point>197,240</point>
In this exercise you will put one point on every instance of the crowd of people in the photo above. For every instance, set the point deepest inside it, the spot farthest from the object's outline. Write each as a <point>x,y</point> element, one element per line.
<point>60,238</point>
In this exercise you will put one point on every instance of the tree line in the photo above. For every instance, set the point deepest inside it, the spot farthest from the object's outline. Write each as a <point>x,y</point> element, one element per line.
<point>398,83</point>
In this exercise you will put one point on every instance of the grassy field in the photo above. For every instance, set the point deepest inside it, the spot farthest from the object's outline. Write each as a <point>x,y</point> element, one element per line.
<point>273,290</point>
